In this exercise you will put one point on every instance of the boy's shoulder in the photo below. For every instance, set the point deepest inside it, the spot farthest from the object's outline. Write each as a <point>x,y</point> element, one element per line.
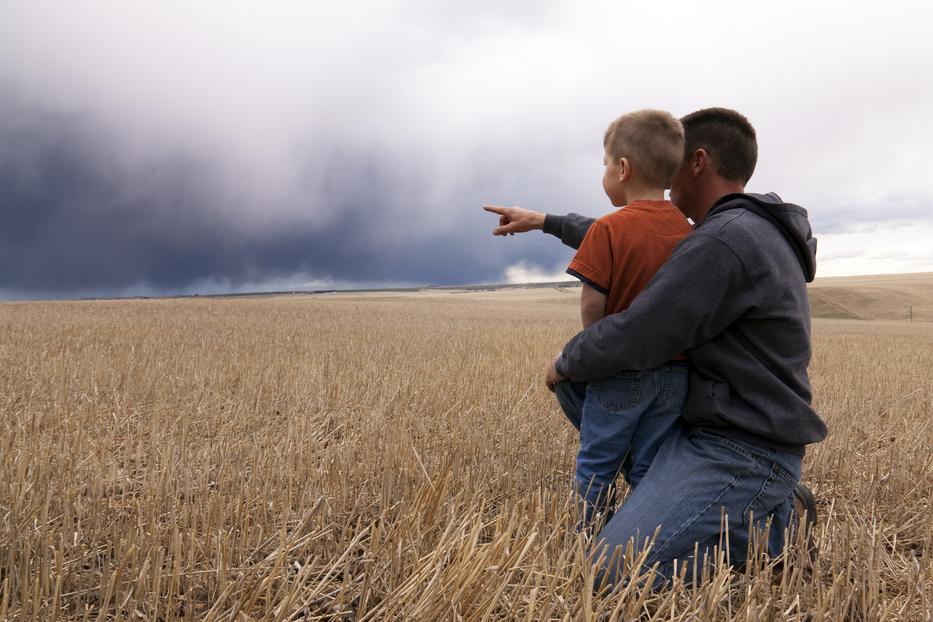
<point>618,217</point>
<point>611,217</point>
<point>637,211</point>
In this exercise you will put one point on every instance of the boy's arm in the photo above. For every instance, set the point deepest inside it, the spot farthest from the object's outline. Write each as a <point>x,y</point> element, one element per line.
<point>592,305</point>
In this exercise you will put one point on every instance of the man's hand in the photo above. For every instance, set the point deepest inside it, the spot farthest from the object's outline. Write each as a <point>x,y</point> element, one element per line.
<point>552,377</point>
<point>514,220</point>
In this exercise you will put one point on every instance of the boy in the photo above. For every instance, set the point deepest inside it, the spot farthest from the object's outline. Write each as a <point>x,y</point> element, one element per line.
<point>626,417</point>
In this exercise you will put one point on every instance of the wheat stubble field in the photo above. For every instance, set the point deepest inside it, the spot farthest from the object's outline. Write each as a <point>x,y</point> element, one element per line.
<point>394,458</point>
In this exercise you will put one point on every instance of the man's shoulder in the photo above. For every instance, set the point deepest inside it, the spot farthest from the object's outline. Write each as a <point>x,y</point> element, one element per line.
<point>736,221</point>
<point>748,237</point>
<point>739,224</point>
<point>763,231</point>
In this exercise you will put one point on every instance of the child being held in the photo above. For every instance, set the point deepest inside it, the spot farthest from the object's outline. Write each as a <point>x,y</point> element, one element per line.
<point>623,419</point>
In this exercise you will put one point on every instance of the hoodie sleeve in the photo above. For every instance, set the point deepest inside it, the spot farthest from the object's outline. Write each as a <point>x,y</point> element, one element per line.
<point>696,294</point>
<point>571,229</point>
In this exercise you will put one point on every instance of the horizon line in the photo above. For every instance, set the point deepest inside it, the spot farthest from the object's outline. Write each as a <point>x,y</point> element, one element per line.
<point>399,289</point>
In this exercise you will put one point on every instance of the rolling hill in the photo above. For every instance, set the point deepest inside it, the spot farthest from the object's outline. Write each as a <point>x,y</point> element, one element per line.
<point>875,297</point>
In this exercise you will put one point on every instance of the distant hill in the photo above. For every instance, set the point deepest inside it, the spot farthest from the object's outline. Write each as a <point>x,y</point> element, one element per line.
<point>876,297</point>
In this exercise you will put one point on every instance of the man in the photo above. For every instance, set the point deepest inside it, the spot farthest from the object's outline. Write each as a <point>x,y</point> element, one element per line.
<point>732,297</point>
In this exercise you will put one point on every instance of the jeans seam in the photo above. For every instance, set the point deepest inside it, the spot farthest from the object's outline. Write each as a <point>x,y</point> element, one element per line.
<point>667,375</point>
<point>764,488</point>
<point>786,476</point>
<point>664,392</point>
<point>728,443</point>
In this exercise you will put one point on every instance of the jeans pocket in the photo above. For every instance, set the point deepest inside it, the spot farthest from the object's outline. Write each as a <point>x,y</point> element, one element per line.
<point>617,393</point>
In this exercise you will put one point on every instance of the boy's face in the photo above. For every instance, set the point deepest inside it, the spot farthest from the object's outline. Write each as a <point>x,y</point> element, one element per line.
<point>612,182</point>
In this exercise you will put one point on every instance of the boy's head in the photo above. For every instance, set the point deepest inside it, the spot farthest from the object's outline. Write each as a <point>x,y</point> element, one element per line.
<point>644,148</point>
<point>720,153</point>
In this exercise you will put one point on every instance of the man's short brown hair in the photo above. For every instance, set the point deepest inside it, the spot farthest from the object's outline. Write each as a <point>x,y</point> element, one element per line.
<point>727,137</point>
<point>652,140</point>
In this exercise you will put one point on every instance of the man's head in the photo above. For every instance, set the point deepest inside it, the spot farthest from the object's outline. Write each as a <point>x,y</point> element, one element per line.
<point>720,153</point>
<point>644,150</point>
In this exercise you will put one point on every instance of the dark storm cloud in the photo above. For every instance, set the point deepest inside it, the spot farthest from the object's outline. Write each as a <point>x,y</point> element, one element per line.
<point>76,218</point>
<point>229,145</point>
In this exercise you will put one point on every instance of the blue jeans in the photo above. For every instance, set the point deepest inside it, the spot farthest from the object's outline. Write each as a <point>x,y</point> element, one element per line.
<point>699,478</point>
<point>623,420</point>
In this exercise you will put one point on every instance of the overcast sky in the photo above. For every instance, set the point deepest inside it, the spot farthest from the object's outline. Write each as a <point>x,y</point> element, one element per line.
<point>179,147</point>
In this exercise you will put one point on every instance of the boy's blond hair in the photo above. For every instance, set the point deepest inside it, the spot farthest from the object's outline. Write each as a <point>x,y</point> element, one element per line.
<point>652,141</point>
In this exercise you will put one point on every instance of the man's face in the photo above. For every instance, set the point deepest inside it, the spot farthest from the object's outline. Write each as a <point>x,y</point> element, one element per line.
<point>611,183</point>
<point>683,188</point>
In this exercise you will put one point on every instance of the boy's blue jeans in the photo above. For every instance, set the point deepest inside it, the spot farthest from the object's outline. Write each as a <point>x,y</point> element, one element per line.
<point>622,420</point>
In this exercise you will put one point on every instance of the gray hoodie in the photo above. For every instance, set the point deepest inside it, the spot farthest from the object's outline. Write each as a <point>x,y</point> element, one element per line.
<point>733,298</point>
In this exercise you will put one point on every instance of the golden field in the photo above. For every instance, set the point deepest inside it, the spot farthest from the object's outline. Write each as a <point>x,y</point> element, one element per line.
<point>876,297</point>
<point>395,457</point>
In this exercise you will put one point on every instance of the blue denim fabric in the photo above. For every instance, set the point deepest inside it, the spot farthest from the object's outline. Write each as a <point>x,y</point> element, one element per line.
<point>570,395</point>
<point>697,477</point>
<point>622,418</point>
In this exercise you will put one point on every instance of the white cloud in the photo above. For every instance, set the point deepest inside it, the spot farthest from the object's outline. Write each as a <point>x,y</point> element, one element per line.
<point>898,247</point>
<point>525,272</point>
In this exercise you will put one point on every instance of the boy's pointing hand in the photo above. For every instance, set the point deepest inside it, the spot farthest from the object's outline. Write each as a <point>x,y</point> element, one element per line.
<point>514,220</point>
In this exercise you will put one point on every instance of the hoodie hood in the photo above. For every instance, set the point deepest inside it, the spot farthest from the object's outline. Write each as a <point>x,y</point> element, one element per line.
<point>791,220</point>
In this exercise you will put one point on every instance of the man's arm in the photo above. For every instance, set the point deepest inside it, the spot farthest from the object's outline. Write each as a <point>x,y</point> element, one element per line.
<point>571,229</point>
<point>695,295</point>
<point>592,305</point>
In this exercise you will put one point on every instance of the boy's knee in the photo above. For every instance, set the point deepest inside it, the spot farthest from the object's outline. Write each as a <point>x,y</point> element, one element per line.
<point>570,399</point>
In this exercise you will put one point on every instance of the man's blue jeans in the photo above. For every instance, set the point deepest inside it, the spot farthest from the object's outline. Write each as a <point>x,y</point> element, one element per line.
<point>699,478</point>
<point>625,417</point>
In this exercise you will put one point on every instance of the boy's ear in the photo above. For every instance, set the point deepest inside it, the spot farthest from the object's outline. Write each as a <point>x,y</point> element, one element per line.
<point>625,169</point>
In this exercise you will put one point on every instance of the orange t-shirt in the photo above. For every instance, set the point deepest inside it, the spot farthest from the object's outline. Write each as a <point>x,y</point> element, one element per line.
<point>623,250</point>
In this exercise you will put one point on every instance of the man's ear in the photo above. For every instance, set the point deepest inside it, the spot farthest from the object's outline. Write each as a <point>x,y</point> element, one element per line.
<point>625,169</point>
<point>701,162</point>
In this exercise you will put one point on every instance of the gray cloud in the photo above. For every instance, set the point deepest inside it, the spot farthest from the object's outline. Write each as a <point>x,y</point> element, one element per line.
<point>77,220</point>
<point>168,146</point>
